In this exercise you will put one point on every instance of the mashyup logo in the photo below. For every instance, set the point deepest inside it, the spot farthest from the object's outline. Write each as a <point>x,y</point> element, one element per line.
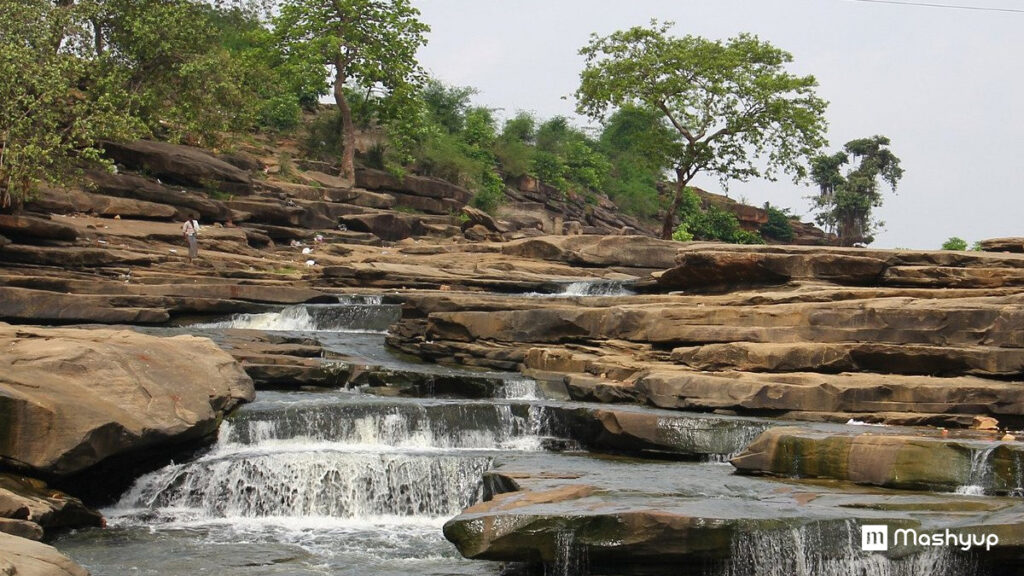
<point>875,538</point>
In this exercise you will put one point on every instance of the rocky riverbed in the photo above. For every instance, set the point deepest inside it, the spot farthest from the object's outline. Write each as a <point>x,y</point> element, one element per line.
<point>582,396</point>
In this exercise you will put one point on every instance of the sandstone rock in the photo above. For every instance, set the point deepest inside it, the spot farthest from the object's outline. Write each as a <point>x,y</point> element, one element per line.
<point>1003,245</point>
<point>386,226</point>
<point>864,357</point>
<point>880,459</point>
<point>266,211</point>
<point>22,557</point>
<point>68,201</point>
<point>43,306</point>
<point>476,217</point>
<point>27,499</point>
<point>183,165</point>
<point>36,228</point>
<point>952,277</point>
<point>21,529</point>
<point>413,185</point>
<point>189,204</point>
<point>73,399</point>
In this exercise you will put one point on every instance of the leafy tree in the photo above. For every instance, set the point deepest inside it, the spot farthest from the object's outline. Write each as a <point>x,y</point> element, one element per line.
<point>636,140</point>
<point>735,111</point>
<point>447,105</point>
<point>366,42</point>
<point>778,225</point>
<point>845,201</point>
<point>955,243</point>
<point>55,104</point>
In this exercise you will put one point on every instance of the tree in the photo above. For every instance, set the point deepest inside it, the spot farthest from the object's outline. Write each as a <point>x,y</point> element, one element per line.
<point>845,201</point>
<point>55,104</point>
<point>954,243</point>
<point>636,140</point>
<point>366,42</point>
<point>735,111</point>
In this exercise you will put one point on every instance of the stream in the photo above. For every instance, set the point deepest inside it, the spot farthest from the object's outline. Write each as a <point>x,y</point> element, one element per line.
<point>343,483</point>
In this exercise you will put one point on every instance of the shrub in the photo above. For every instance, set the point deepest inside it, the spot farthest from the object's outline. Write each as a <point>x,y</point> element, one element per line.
<point>778,226</point>
<point>954,243</point>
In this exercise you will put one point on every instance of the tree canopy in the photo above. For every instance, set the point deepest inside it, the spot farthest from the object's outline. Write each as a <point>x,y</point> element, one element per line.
<point>734,110</point>
<point>845,201</point>
<point>369,43</point>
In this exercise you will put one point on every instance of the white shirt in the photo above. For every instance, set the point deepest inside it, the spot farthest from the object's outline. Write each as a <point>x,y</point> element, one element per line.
<point>190,227</point>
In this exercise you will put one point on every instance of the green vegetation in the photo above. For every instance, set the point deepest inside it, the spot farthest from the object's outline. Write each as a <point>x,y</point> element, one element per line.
<point>710,222</point>
<point>845,201</point>
<point>367,42</point>
<point>778,226</point>
<point>76,73</point>
<point>954,243</point>
<point>735,111</point>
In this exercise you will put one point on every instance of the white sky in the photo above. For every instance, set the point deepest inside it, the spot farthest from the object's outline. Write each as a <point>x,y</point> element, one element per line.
<point>945,85</point>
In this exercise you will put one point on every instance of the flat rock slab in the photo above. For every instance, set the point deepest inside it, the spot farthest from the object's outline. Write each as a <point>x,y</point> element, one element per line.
<point>892,460</point>
<point>70,399</point>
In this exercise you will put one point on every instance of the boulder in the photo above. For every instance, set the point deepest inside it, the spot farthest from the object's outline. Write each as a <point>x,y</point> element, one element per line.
<point>179,164</point>
<point>73,400</point>
<point>35,227</point>
<point>477,217</point>
<point>386,226</point>
<point>30,500</point>
<point>23,557</point>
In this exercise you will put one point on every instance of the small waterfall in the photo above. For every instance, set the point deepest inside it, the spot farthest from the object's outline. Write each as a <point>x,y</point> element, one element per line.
<point>336,456</point>
<point>719,439</point>
<point>980,478</point>
<point>597,288</point>
<point>833,549</point>
<point>346,317</point>
<point>311,482</point>
<point>519,389</point>
<point>571,558</point>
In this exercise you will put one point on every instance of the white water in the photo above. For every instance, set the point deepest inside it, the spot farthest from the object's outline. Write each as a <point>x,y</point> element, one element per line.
<point>833,549</point>
<point>337,458</point>
<point>359,318</point>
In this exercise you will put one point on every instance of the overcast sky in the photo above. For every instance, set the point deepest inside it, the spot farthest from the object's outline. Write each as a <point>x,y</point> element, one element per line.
<point>946,85</point>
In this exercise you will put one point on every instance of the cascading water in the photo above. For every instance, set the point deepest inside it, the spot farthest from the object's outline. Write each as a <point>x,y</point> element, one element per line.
<point>980,475</point>
<point>833,549</point>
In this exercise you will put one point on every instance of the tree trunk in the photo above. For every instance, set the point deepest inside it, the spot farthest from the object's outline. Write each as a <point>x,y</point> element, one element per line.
<point>348,135</point>
<point>668,225</point>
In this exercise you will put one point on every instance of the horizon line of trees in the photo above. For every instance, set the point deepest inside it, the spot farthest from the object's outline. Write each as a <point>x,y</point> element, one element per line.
<point>76,73</point>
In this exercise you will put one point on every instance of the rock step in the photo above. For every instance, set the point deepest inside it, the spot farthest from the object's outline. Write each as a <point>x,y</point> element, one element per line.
<point>853,357</point>
<point>884,459</point>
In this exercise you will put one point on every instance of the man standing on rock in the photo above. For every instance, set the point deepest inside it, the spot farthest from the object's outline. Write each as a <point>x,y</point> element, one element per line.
<point>191,231</point>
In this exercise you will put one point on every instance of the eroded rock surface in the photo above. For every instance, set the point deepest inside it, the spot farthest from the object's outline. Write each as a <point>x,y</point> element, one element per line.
<point>73,399</point>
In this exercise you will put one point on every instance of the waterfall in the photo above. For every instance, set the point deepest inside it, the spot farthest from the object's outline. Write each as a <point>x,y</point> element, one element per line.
<point>351,316</point>
<point>980,478</point>
<point>336,456</point>
<point>597,288</point>
<point>833,549</point>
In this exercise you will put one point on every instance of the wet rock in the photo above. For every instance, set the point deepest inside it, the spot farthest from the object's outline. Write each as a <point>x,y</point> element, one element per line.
<point>22,557</point>
<point>879,459</point>
<point>71,400</point>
